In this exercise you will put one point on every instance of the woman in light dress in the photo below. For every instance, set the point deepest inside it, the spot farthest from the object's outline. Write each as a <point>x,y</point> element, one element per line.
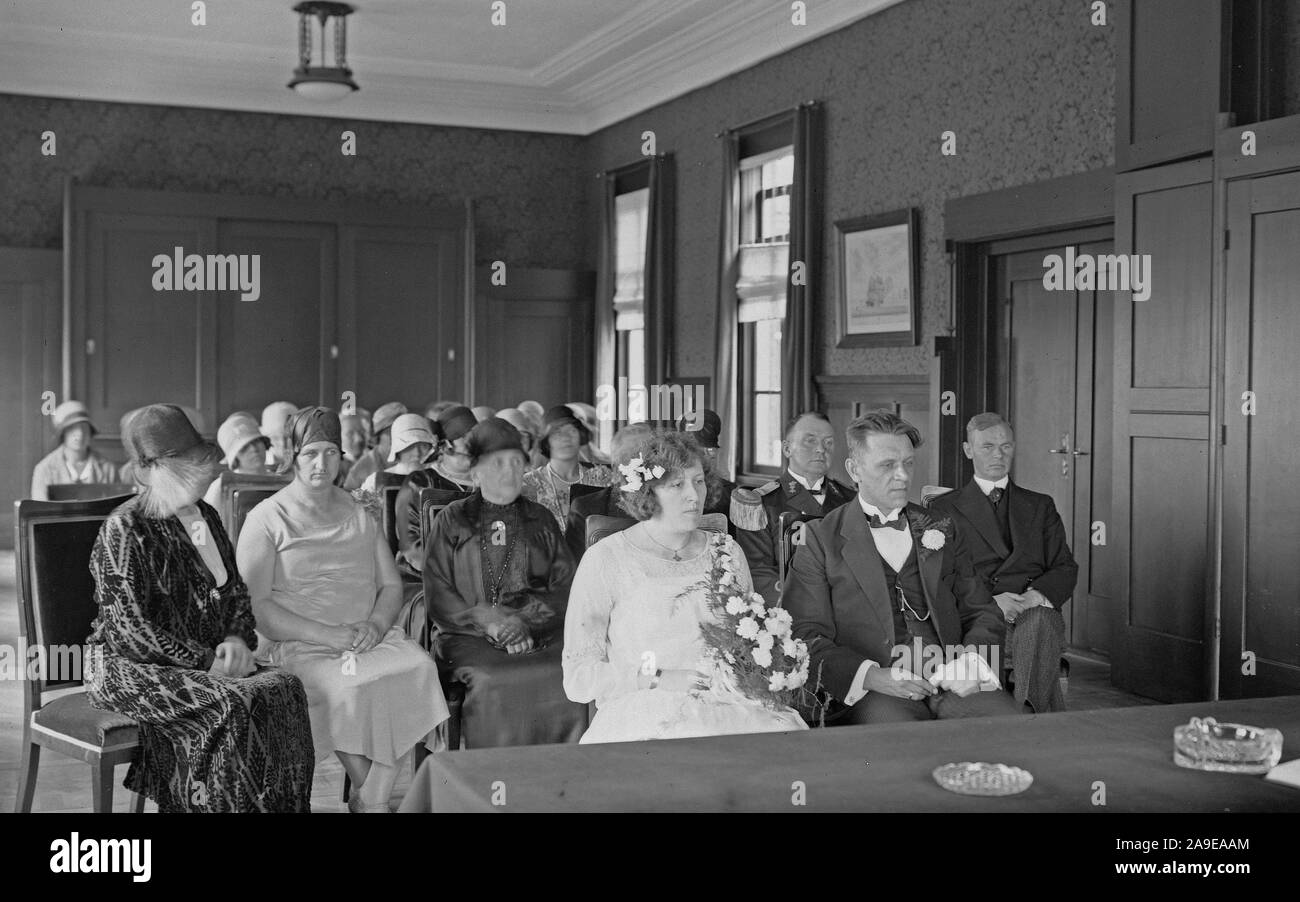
<point>632,639</point>
<point>325,591</point>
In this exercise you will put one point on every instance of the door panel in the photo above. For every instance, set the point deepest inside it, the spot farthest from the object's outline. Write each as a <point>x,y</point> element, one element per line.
<point>276,348</point>
<point>1261,582</point>
<point>402,335</point>
<point>1160,530</point>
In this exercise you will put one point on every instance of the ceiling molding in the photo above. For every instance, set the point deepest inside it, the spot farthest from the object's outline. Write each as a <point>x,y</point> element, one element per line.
<point>653,54</point>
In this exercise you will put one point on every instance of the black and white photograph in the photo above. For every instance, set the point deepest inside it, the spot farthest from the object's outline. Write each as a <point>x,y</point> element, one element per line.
<point>682,407</point>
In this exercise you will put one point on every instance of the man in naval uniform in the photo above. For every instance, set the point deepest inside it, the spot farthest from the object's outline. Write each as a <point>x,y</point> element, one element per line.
<point>803,487</point>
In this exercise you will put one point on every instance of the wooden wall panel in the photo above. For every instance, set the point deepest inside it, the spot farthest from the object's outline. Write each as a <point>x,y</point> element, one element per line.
<point>845,397</point>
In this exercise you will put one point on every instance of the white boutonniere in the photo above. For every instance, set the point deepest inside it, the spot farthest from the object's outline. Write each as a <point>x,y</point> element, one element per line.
<point>933,539</point>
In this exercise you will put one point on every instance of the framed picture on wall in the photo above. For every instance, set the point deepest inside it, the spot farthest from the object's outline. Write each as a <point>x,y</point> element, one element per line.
<point>879,269</point>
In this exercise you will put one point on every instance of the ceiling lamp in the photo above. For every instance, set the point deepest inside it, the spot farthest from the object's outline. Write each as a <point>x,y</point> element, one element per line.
<point>323,82</point>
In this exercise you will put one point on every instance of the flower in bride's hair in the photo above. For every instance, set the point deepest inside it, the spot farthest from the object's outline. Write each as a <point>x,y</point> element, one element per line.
<point>633,484</point>
<point>762,657</point>
<point>747,628</point>
<point>657,472</point>
<point>736,606</point>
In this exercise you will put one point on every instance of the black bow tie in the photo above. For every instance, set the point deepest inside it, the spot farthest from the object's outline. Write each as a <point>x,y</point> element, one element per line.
<point>898,523</point>
<point>995,495</point>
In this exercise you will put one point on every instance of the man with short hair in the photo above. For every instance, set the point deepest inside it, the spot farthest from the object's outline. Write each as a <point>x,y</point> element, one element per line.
<point>1018,547</point>
<point>804,487</point>
<point>898,626</point>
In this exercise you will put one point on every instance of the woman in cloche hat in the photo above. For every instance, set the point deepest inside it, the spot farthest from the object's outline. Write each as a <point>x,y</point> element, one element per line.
<point>172,647</point>
<point>73,461</point>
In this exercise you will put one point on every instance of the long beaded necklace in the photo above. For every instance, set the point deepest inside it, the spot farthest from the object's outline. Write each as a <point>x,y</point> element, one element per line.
<point>494,582</point>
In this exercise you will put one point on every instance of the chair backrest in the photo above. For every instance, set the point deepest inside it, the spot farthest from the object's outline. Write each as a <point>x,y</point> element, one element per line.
<point>390,514</point>
<point>577,490</point>
<point>240,493</point>
<point>792,525</point>
<point>432,501</point>
<point>931,492</point>
<point>81,491</point>
<point>56,593</point>
<point>599,526</point>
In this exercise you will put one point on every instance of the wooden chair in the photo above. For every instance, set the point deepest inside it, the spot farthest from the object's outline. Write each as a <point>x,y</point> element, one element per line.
<point>240,493</point>
<point>931,492</point>
<point>80,491</point>
<point>600,526</point>
<point>389,522</point>
<point>56,606</point>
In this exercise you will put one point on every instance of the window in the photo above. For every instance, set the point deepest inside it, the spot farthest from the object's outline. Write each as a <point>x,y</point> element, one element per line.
<point>764,255</point>
<point>631,216</point>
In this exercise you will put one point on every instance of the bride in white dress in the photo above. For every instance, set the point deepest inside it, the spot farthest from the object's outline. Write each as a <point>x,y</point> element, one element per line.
<point>631,638</point>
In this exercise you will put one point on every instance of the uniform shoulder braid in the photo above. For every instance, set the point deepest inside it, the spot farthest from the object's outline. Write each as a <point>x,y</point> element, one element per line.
<point>747,510</point>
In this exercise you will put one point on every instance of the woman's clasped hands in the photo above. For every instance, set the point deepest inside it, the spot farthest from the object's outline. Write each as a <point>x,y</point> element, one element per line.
<point>232,659</point>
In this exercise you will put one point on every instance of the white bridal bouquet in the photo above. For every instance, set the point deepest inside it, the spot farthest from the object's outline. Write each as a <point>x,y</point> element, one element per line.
<point>750,644</point>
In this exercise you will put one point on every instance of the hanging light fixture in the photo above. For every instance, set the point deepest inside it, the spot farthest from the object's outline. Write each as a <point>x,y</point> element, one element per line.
<point>323,82</point>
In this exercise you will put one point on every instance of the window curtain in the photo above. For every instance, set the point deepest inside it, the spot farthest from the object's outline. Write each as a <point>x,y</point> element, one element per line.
<point>724,376</point>
<point>803,294</point>
<point>605,279</point>
<point>659,270</point>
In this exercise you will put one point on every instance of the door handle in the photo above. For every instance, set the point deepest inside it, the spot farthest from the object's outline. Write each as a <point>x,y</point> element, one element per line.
<point>1062,451</point>
<point>1079,453</point>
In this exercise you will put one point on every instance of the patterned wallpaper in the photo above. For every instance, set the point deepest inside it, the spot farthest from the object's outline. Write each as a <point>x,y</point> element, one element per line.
<point>1027,85</point>
<point>528,206</point>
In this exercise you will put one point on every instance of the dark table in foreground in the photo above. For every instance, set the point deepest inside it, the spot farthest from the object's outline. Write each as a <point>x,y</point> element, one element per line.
<point>874,768</point>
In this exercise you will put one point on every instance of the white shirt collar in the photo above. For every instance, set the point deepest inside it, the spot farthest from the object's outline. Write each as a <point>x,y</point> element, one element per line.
<point>817,488</point>
<point>873,511</point>
<point>986,486</point>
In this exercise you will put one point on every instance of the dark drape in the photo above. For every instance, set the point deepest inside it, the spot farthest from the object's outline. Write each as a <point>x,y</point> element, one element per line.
<point>803,283</point>
<point>659,270</point>
<point>605,285</point>
<point>724,376</point>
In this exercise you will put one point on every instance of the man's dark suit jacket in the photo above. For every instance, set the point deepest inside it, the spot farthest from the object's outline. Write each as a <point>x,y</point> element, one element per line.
<point>1039,557</point>
<point>843,608</point>
<point>761,546</point>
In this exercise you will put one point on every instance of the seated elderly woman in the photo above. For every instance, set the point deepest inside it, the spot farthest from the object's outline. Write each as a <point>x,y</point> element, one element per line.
<point>326,592</point>
<point>244,448</point>
<point>356,440</point>
<point>73,461</point>
<point>412,442</point>
<point>448,470</point>
<point>173,644</point>
<point>496,580</point>
<point>639,596</point>
<point>563,437</point>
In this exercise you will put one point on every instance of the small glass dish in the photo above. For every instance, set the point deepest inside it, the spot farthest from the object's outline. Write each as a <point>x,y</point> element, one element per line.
<point>978,778</point>
<point>1206,744</point>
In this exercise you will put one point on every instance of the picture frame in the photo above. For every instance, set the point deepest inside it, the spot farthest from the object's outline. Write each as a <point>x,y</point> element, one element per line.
<point>879,280</point>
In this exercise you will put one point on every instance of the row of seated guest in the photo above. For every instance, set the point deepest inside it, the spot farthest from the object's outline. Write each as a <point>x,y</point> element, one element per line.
<point>177,633</point>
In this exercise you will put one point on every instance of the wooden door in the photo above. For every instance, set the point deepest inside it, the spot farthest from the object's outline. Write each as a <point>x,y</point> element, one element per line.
<point>1164,460</point>
<point>31,314</point>
<point>277,347</point>
<point>534,338</point>
<point>1260,644</point>
<point>1054,370</point>
<point>402,324</point>
<point>130,345</point>
<point>1171,70</point>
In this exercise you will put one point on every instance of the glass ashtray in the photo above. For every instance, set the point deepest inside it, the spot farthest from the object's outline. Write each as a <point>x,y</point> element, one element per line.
<point>978,778</point>
<point>1206,744</point>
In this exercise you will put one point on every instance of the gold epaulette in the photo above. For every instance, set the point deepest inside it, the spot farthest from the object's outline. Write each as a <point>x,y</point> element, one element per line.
<point>747,511</point>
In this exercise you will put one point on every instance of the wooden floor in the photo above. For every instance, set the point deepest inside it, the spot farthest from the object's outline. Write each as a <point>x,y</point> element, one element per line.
<point>64,784</point>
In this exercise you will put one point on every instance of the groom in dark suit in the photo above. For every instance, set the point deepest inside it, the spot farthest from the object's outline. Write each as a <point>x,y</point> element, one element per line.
<point>1018,547</point>
<point>898,625</point>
